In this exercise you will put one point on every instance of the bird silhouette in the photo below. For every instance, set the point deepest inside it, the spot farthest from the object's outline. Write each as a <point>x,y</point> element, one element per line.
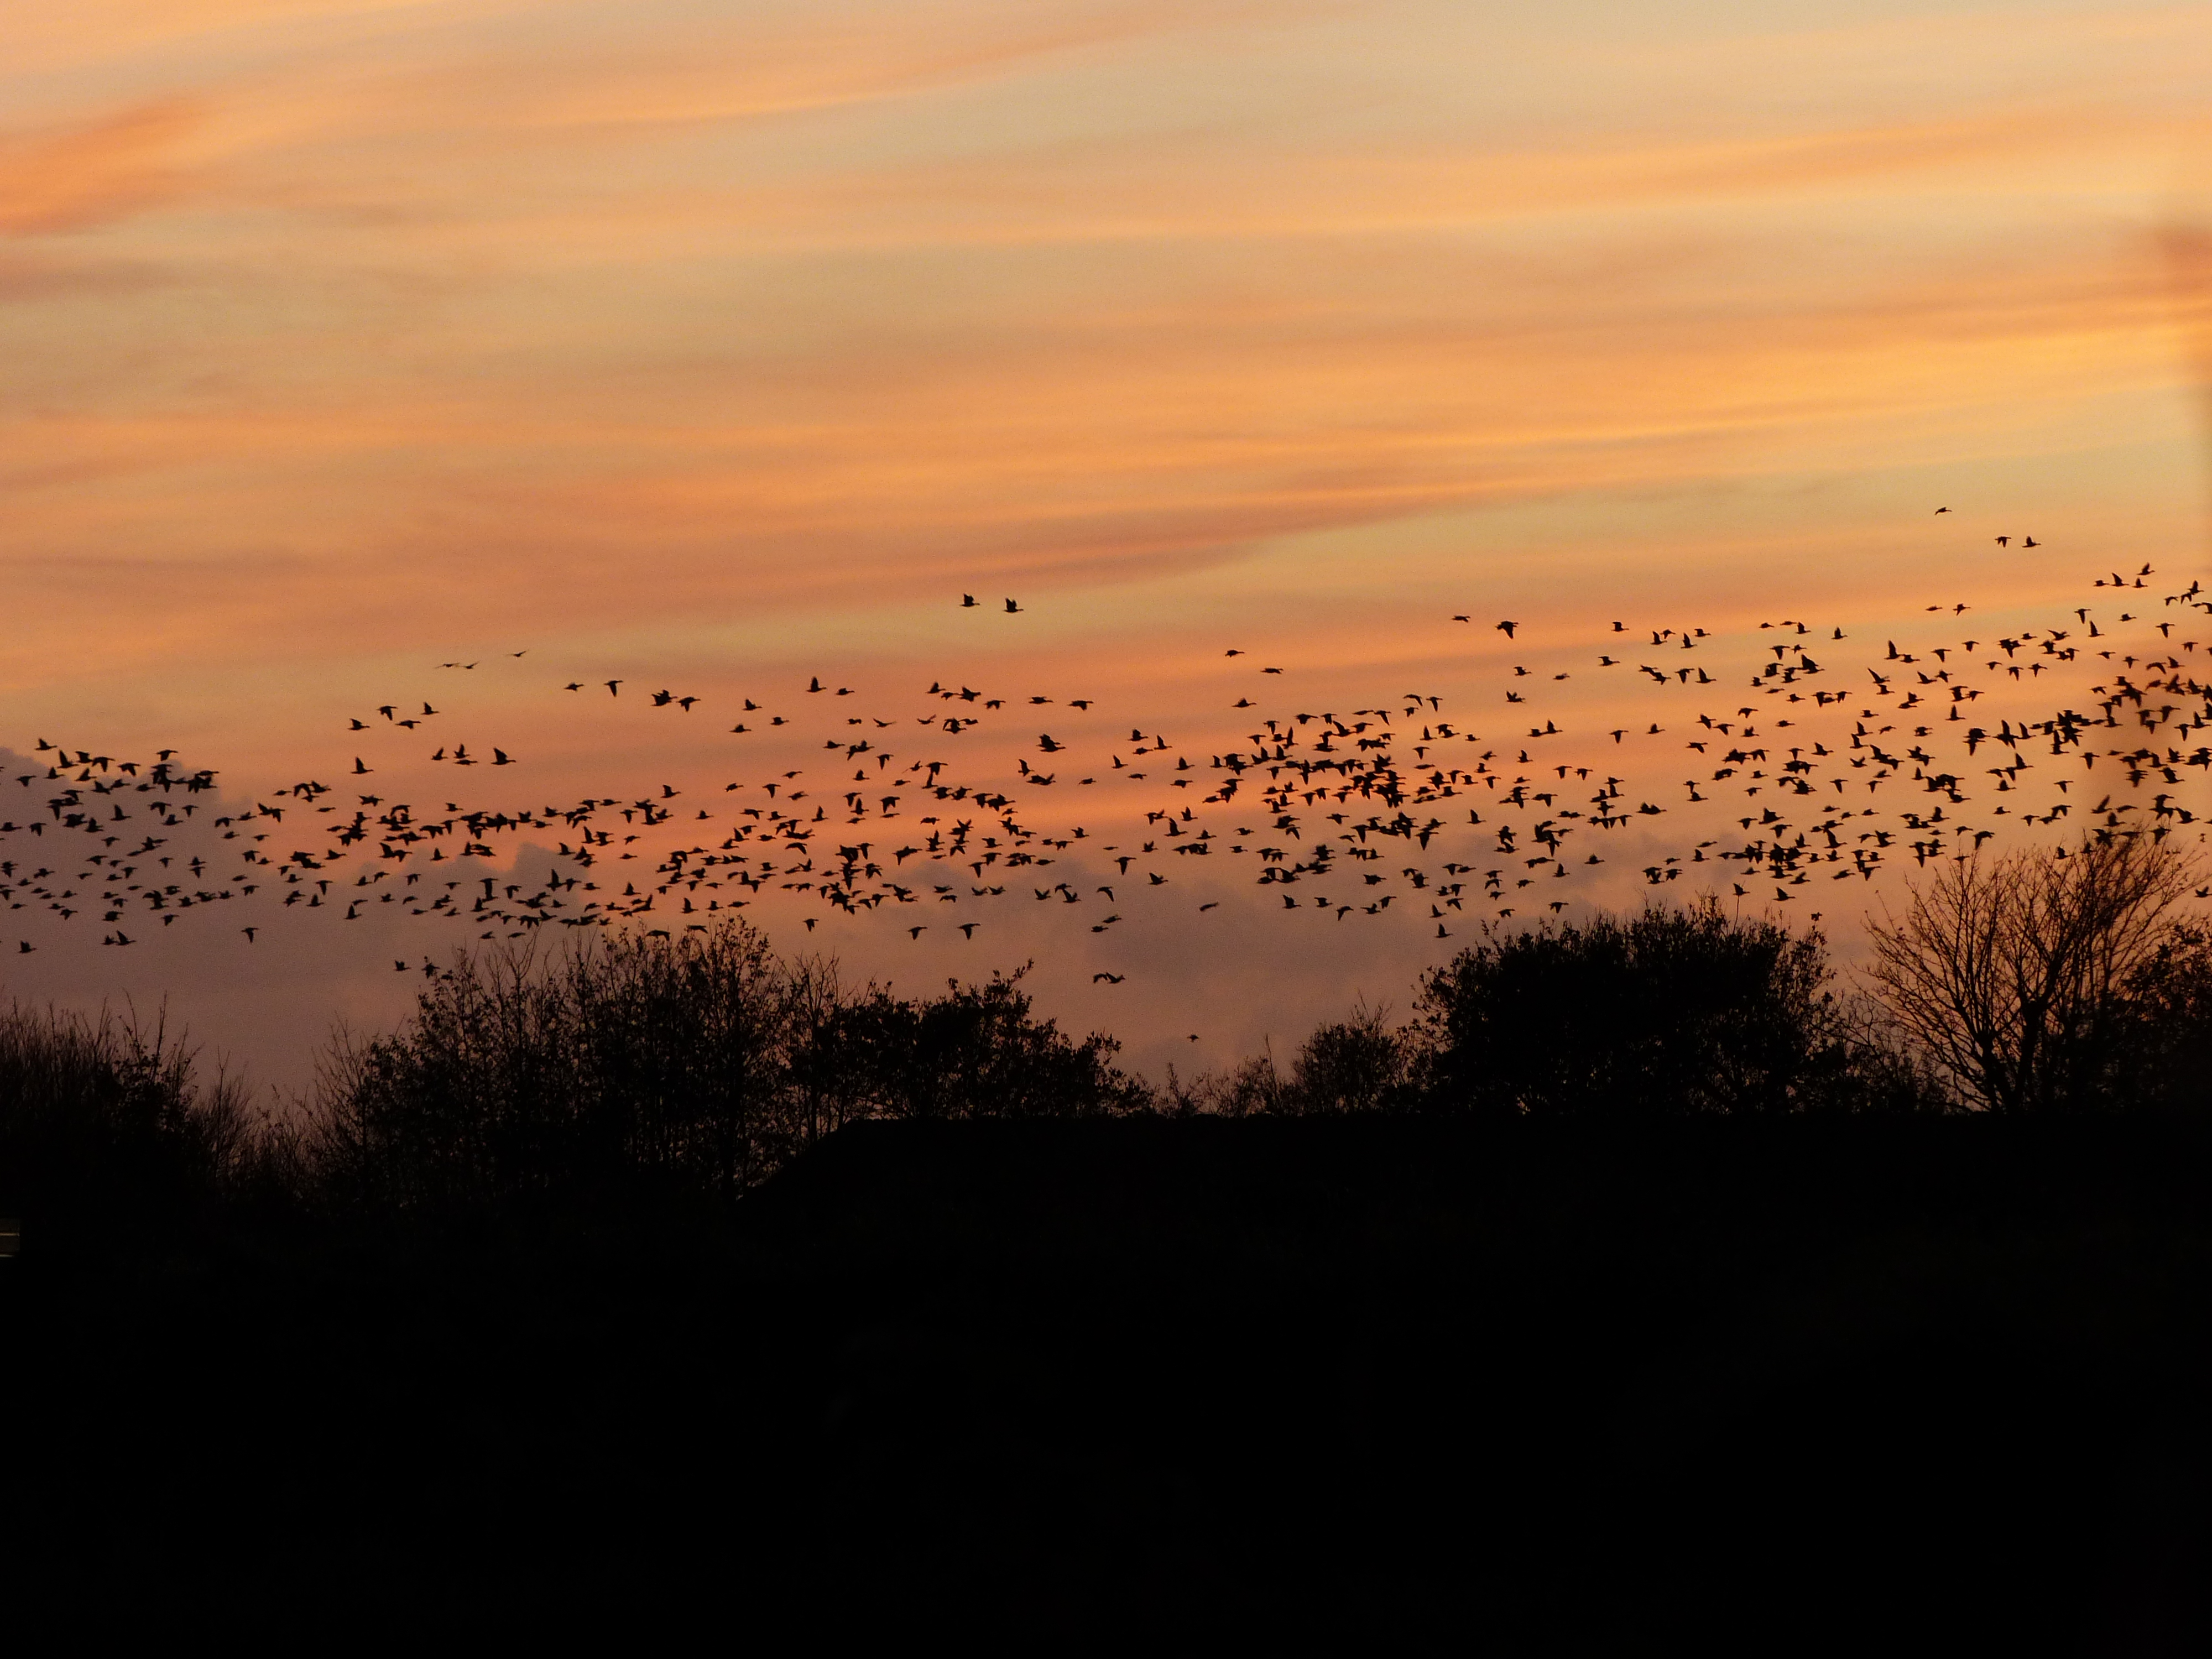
<point>1347,781</point>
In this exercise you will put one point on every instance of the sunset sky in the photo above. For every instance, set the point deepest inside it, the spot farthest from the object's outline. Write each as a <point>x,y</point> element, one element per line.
<point>721,345</point>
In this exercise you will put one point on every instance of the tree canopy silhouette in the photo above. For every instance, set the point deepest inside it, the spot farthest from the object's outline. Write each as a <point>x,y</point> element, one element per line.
<point>699,1063</point>
<point>1666,1012</point>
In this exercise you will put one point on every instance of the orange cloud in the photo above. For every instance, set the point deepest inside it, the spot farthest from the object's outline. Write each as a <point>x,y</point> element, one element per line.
<point>495,298</point>
<point>94,172</point>
<point>814,57</point>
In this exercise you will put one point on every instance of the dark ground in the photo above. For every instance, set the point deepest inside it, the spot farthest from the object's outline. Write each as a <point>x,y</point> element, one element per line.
<point>1770,1387</point>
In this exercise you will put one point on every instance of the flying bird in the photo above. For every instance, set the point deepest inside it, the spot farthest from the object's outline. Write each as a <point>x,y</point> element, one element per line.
<point>1507,628</point>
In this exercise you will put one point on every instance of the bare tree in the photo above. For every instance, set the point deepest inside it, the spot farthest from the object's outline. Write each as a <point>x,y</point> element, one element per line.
<point>2013,975</point>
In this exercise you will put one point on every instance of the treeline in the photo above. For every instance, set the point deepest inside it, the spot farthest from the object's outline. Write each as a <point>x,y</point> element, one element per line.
<point>624,1071</point>
<point>2070,981</point>
<point>686,1070</point>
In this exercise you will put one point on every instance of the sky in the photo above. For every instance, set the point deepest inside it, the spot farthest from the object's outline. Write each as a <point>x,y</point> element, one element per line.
<point>716,348</point>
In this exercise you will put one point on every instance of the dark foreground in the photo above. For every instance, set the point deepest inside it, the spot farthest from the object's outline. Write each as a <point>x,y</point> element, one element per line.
<point>1773,1387</point>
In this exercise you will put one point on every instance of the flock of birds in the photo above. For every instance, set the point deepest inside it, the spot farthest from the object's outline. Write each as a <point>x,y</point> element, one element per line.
<point>1818,759</point>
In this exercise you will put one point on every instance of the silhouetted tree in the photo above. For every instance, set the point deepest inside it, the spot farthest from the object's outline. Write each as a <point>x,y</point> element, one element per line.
<point>977,1051</point>
<point>105,1128</point>
<point>1357,1065</point>
<point>646,1064</point>
<point>1666,1012</point>
<point>2040,981</point>
<point>2164,1044</point>
<point>625,1060</point>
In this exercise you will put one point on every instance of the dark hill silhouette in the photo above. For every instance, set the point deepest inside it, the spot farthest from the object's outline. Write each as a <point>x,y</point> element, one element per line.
<point>1537,1387</point>
<point>670,1280</point>
<point>1542,1387</point>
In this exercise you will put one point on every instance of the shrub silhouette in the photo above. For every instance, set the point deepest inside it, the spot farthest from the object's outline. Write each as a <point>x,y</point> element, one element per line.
<point>1357,1065</point>
<point>1663,1012</point>
<point>1254,1087</point>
